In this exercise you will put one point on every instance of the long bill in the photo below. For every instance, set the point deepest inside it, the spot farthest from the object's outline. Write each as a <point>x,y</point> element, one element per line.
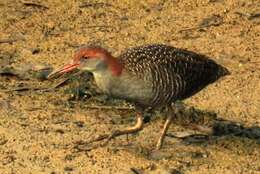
<point>65,69</point>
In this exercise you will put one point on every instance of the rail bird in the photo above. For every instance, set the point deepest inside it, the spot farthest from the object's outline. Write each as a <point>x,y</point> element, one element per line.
<point>149,76</point>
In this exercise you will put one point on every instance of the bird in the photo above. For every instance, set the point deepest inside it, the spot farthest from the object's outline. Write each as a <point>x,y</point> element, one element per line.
<point>147,76</point>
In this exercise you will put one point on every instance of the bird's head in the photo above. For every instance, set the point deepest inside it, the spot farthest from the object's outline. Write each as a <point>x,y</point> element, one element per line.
<point>92,59</point>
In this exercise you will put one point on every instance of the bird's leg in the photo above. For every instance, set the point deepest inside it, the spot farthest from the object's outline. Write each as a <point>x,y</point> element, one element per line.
<point>165,128</point>
<point>170,113</point>
<point>137,127</point>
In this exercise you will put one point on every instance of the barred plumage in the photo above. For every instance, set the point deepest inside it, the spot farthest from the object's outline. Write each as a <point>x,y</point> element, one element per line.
<point>149,76</point>
<point>175,73</point>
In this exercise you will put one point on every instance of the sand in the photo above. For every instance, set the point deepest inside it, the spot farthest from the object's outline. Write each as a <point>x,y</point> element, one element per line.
<point>40,129</point>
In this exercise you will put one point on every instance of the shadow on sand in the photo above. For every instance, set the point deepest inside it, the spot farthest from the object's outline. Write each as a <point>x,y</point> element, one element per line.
<point>216,125</point>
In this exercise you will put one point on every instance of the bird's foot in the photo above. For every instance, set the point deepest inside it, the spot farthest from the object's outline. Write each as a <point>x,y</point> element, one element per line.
<point>107,137</point>
<point>202,128</point>
<point>89,145</point>
<point>110,137</point>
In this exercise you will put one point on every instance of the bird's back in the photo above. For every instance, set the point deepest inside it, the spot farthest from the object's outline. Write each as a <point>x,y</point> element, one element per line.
<point>175,73</point>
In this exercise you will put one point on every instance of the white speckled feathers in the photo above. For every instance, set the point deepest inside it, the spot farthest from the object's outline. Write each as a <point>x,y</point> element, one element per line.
<point>175,73</point>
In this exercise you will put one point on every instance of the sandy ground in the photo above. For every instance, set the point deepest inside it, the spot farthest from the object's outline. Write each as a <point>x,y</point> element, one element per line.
<point>40,130</point>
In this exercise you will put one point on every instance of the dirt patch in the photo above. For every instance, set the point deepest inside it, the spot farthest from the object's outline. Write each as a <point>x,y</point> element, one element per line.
<point>40,128</point>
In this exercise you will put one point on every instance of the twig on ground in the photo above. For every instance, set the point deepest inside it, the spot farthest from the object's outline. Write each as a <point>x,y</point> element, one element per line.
<point>108,107</point>
<point>10,41</point>
<point>34,4</point>
<point>95,5</point>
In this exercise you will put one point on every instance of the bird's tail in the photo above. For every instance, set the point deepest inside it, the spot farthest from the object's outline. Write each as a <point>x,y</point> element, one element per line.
<point>217,71</point>
<point>223,71</point>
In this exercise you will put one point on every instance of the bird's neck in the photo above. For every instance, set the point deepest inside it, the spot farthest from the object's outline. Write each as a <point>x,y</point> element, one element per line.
<point>108,82</point>
<point>115,66</point>
<point>104,79</point>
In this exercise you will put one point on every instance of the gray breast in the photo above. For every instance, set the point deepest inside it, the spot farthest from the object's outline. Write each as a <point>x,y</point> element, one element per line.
<point>126,86</point>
